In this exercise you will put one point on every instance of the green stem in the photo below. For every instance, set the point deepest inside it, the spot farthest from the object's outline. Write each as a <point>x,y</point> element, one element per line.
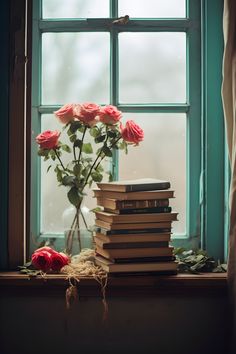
<point>57,155</point>
<point>80,151</point>
<point>110,147</point>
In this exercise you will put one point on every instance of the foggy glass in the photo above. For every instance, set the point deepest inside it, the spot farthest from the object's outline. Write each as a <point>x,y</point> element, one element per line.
<point>75,8</point>
<point>75,67</point>
<point>54,199</point>
<point>152,67</point>
<point>161,155</point>
<point>152,8</point>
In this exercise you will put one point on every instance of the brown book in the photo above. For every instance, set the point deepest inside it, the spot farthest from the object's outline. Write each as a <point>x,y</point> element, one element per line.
<point>111,267</point>
<point>145,195</point>
<point>132,226</point>
<point>124,244</point>
<point>142,184</point>
<point>135,218</point>
<point>146,237</point>
<point>140,210</point>
<point>134,252</point>
<point>114,204</point>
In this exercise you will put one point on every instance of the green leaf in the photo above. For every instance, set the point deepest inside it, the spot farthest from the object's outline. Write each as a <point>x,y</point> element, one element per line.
<point>72,138</point>
<point>66,148</point>
<point>68,180</point>
<point>100,138</point>
<point>43,152</point>
<point>78,143</point>
<point>94,132</point>
<point>112,134</point>
<point>107,151</point>
<point>74,196</point>
<point>96,176</point>
<point>87,148</point>
<point>77,169</point>
<point>75,126</point>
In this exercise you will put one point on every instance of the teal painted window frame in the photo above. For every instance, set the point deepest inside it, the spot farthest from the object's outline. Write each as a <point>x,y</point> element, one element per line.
<point>203,163</point>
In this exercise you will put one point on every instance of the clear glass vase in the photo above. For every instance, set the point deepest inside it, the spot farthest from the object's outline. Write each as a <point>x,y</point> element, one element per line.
<point>76,231</point>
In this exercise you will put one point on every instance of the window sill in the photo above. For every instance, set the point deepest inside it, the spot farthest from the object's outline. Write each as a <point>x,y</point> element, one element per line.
<point>208,284</point>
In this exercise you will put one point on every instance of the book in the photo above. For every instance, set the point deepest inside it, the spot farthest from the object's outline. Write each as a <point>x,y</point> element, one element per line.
<point>144,195</point>
<point>145,259</point>
<point>131,231</point>
<point>134,252</point>
<point>140,210</point>
<point>120,245</point>
<point>115,204</point>
<point>142,184</point>
<point>133,226</point>
<point>112,267</point>
<point>135,218</point>
<point>146,237</point>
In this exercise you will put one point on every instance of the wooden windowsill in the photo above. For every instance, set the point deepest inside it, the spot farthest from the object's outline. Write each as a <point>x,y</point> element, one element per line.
<point>213,284</point>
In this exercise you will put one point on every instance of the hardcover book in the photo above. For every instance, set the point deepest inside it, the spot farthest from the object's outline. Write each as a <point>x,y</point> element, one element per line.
<point>111,267</point>
<point>120,245</point>
<point>134,252</point>
<point>142,184</point>
<point>146,237</point>
<point>132,231</point>
<point>140,210</point>
<point>115,204</point>
<point>144,195</point>
<point>132,226</point>
<point>135,218</point>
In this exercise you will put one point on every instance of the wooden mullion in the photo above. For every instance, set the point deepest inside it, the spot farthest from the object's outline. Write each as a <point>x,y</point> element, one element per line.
<point>16,206</point>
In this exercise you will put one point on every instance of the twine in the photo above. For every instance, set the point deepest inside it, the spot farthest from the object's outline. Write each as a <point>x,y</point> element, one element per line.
<point>81,266</point>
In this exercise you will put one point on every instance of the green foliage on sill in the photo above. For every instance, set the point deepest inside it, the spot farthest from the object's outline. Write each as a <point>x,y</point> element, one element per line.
<point>197,261</point>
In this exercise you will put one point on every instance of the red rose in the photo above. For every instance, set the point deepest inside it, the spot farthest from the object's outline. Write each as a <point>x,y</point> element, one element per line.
<point>110,115</point>
<point>66,113</point>
<point>45,248</point>
<point>41,260</point>
<point>132,133</point>
<point>87,112</point>
<point>58,260</point>
<point>48,139</point>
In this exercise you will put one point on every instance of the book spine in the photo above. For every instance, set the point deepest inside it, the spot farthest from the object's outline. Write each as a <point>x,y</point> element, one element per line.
<point>147,187</point>
<point>125,204</point>
<point>132,231</point>
<point>125,245</point>
<point>141,210</point>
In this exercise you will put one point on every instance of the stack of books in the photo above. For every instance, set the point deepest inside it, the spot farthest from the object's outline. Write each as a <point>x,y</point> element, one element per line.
<point>133,230</point>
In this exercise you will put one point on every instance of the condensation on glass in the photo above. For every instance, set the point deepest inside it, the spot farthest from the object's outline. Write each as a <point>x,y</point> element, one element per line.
<point>75,66</point>
<point>152,67</point>
<point>152,8</point>
<point>162,155</point>
<point>75,8</point>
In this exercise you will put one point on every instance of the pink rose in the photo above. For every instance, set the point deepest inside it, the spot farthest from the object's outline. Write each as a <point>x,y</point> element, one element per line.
<point>132,133</point>
<point>66,113</point>
<point>110,115</point>
<point>41,260</point>
<point>58,260</point>
<point>48,139</point>
<point>46,248</point>
<point>87,113</point>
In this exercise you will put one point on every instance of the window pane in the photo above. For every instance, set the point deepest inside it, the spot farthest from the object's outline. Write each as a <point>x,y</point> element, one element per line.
<point>152,67</point>
<point>75,67</point>
<point>161,155</point>
<point>152,8</point>
<point>75,8</point>
<point>54,202</point>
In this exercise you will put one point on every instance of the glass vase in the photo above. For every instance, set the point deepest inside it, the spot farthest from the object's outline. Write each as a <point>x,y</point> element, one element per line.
<point>76,230</point>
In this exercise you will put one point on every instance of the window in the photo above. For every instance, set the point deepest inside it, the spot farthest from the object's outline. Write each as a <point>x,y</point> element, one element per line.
<point>178,105</point>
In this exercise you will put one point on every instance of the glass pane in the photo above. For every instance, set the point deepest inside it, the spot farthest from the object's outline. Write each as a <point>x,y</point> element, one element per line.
<point>54,202</point>
<point>152,8</point>
<point>75,67</point>
<point>152,67</point>
<point>75,8</point>
<point>161,155</point>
